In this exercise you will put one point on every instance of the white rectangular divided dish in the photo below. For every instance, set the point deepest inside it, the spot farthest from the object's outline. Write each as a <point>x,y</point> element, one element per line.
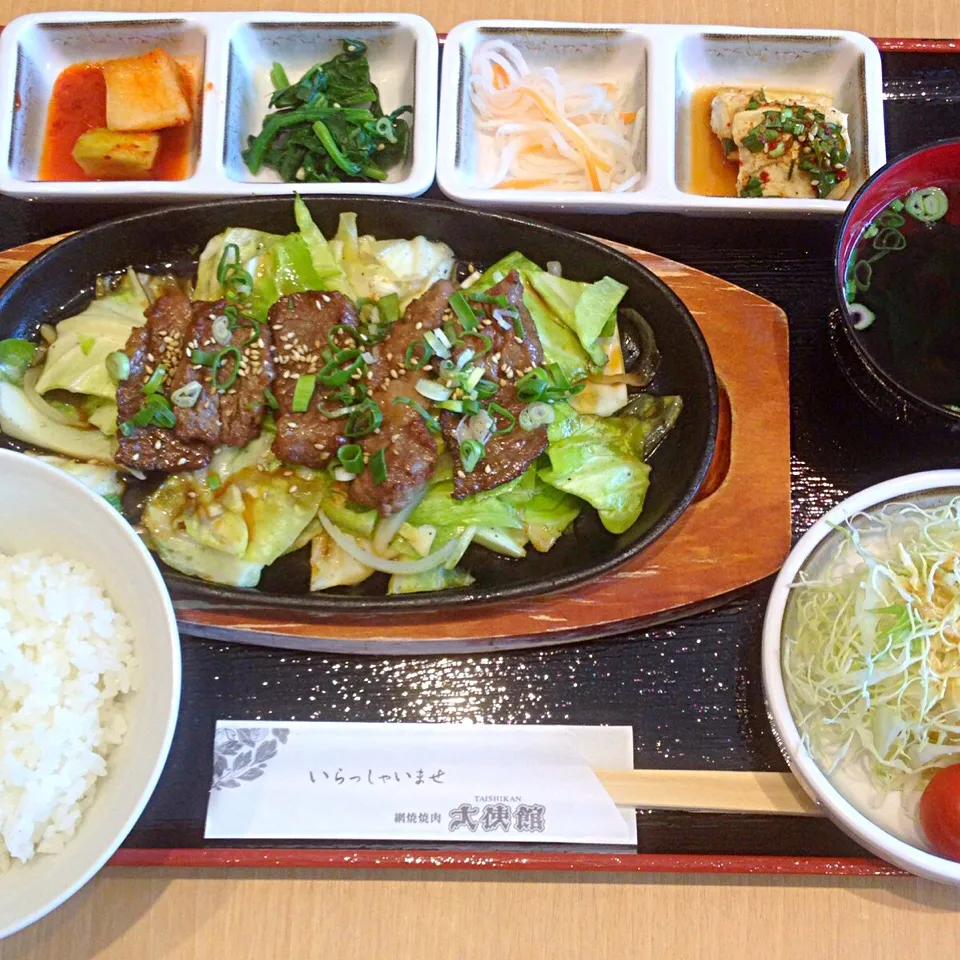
<point>661,67</point>
<point>233,53</point>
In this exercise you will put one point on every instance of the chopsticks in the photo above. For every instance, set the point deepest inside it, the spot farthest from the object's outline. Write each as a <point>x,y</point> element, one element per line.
<point>709,791</point>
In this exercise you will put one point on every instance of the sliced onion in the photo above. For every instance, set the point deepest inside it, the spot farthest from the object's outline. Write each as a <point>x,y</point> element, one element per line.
<point>48,332</point>
<point>388,526</point>
<point>343,475</point>
<point>350,545</point>
<point>554,268</point>
<point>30,379</point>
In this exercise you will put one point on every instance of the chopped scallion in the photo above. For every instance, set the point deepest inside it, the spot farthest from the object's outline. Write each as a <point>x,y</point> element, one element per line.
<point>471,452</point>
<point>366,418</point>
<point>463,311</point>
<point>303,392</point>
<point>223,385</point>
<point>187,395</point>
<point>433,425</point>
<point>155,382</point>
<point>378,466</point>
<point>118,366</point>
<point>351,457</point>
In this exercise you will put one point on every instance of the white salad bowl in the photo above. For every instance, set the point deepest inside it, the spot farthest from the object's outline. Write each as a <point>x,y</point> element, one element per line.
<point>42,508</point>
<point>880,823</point>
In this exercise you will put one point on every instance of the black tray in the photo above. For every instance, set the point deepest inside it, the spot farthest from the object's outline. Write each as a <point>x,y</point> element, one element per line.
<point>691,689</point>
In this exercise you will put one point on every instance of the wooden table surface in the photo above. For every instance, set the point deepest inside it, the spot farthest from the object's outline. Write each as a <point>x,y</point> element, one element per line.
<point>282,915</point>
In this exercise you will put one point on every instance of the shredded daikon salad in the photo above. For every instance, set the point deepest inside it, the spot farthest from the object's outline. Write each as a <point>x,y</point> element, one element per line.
<point>871,651</point>
<point>549,132</point>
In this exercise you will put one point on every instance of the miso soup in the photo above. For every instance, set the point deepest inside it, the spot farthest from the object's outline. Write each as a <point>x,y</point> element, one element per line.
<point>903,290</point>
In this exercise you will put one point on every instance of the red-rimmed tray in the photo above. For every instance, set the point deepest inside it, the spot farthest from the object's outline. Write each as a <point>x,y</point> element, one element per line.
<point>837,445</point>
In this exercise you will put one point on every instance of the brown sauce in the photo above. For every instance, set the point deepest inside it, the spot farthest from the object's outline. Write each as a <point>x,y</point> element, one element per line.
<point>711,174</point>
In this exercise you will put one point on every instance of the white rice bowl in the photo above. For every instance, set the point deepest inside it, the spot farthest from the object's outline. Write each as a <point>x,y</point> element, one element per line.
<point>73,785</point>
<point>66,662</point>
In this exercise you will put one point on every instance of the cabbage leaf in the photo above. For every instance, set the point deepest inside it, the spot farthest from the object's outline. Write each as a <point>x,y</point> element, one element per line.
<point>600,460</point>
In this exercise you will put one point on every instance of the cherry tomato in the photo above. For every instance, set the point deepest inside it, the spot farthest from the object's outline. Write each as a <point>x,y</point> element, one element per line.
<point>940,812</point>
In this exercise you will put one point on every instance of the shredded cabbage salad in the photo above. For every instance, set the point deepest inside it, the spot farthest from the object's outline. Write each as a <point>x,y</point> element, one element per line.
<point>871,650</point>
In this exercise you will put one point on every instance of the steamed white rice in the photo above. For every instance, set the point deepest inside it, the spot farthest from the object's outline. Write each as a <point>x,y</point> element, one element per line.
<point>66,661</point>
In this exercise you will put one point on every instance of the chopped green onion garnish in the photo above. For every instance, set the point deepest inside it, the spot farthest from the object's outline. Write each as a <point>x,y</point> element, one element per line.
<point>497,299</point>
<point>432,390</point>
<point>270,399</point>
<point>351,457</point>
<point>487,344</point>
<point>378,466</point>
<point>221,331</point>
<point>559,377</point>
<point>433,425</point>
<point>156,411</point>
<point>221,386</point>
<point>335,374</point>
<point>303,392</point>
<point>409,359</point>
<point>437,345</point>
<point>204,358</point>
<point>473,379</point>
<point>187,395</point>
<point>471,452</point>
<point>536,415</point>
<point>495,408</point>
<point>485,389</point>
<point>463,311</point>
<point>927,205</point>
<point>118,366</point>
<point>366,418</point>
<point>533,385</point>
<point>126,427</point>
<point>230,257</point>
<point>213,482</point>
<point>518,327</point>
<point>155,382</point>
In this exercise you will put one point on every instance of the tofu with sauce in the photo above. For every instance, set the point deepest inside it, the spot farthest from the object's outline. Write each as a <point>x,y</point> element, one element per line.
<point>146,93</point>
<point>728,103</point>
<point>778,172</point>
